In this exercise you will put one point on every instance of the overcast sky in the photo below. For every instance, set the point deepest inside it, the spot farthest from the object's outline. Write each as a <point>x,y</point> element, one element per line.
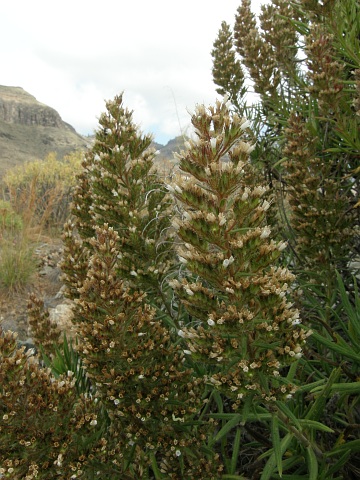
<point>74,54</point>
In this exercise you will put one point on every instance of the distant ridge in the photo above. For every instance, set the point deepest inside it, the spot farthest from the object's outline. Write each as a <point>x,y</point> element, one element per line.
<point>29,130</point>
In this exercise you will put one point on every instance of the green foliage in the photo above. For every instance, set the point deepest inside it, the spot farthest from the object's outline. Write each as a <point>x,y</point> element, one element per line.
<point>199,354</point>
<point>9,220</point>
<point>41,191</point>
<point>17,262</point>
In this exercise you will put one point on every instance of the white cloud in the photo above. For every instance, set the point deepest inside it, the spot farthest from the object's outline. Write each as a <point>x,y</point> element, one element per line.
<point>74,55</point>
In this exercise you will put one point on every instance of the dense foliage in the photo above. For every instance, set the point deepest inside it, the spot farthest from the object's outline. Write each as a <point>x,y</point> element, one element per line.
<point>217,311</point>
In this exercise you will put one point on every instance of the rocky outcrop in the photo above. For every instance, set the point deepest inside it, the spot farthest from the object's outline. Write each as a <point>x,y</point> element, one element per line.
<point>29,130</point>
<point>19,107</point>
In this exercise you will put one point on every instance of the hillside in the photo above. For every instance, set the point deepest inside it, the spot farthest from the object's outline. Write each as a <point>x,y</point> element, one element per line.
<point>29,129</point>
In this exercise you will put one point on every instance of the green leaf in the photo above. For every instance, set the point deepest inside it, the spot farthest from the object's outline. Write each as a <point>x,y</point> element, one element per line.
<point>313,467</point>
<point>288,413</point>
<point>271,463</point>
<point>237,418</point>
<point>312,424</point>
<point>275,437</point>
<point>318,406</point>
<point>235,451</point>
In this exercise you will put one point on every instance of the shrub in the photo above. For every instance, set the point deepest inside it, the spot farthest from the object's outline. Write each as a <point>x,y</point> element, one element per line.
<point>41,191</point>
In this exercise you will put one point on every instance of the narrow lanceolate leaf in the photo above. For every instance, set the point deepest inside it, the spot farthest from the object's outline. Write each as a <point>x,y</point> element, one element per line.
<point>228,426</point>
<point>271,466</point>
<point>317,408</point>
<point>312,463</point>
<point>313,425</point>
<point>275,436</point>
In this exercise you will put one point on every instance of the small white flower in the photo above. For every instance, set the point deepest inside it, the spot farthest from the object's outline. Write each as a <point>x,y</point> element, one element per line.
<point>114,192</point>
<point>222,219</point>
<point>265,205</point>
<point>133,273</point>
<point>211,322</point>
<point>245,125</point>
<point>93,423</point>
<point>266,232</point>
<point>170,188</point>
<point>182,260</point>
<point>281,246</point>
<point>187,352</point>
<point>213,143</point>
<point>181,334</point>
<point>245,195</point>
<point>228,261</point>
<point>141,377</point>
<point>178,189</point>
<point>189,292</point>
<point>178,453</point>
<point>116,401</point>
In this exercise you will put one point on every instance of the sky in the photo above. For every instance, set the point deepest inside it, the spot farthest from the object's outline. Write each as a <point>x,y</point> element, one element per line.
<point>73,55</point>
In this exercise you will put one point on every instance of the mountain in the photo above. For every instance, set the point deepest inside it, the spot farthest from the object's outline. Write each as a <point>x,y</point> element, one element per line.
<point>29,130</point>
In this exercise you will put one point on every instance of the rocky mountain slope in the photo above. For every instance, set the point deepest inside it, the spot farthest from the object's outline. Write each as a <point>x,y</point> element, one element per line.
<point>29,130</point>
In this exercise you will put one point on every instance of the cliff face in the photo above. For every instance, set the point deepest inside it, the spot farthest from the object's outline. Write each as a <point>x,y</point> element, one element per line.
<point>19,107</point>
<point>29,130</point>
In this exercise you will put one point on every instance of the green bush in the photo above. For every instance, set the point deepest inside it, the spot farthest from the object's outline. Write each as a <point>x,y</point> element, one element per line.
<point>217,321</point>
<point>41,191</point>
<point>9,220</point>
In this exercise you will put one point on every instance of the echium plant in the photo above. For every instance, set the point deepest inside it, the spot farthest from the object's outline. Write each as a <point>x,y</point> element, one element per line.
<point>47,430</point>
<point>244,326</point>
<point>119,186</point>
<point>138,373</point>
<point>302,58</point>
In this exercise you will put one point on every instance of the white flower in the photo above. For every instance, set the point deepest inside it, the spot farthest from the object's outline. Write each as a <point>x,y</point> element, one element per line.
<point>177,453</point>
<point>245,195</point>
<point>178,189</point>
<point>133,273</point>
<point>281,246</point>
<point>187,352</point>
<point>228,261</point>
<point>213,143</point>
<point>211,322</point>
<point>114,192</point>
<point>93,423</point>
<point>265,205</point>
<point>266,232</point>
<point>189,292</point>
<point>181,334</point>
<point>245,125</point>
<point>170,188</point>
<point>222,219</point>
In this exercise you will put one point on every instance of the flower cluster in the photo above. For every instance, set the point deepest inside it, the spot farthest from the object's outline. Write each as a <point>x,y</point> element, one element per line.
<point>119,186</point>
<point>135,366</point>
<point>243,323</point>
<point>42,419</point>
